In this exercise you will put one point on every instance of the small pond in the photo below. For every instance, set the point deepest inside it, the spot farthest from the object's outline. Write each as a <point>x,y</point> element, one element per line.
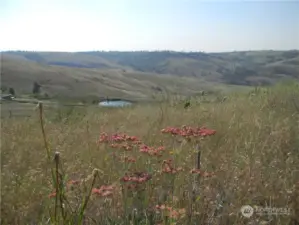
<point>115,103</point>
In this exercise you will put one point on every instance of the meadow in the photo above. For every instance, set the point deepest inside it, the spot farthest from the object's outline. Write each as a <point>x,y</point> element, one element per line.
<point>155,163</point>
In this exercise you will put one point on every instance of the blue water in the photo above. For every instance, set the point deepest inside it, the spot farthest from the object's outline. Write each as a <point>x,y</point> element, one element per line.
<point>119,103</point>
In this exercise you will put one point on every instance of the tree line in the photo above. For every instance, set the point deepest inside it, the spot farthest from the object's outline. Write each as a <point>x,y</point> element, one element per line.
<point>36,89</point>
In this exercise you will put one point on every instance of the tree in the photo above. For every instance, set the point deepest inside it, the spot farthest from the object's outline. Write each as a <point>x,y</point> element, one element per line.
<point>95,101</point>
<point>11,91</point>
<point>36,88</point>
<point>187,104</point>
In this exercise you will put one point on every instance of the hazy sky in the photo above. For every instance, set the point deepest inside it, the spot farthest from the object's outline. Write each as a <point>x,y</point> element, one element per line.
<point>188,25</point>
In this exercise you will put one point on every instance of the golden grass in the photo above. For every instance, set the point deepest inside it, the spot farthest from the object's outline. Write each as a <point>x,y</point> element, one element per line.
<point>254,155</point>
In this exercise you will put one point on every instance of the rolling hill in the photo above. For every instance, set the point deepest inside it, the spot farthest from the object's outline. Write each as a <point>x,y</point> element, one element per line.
<point>138,75</point>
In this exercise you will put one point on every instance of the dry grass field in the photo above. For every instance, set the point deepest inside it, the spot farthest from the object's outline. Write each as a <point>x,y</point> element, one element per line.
<point>75,172</point>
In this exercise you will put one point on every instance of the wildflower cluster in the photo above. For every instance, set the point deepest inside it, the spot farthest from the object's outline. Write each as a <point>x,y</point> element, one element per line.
<point>187,131</point>
<point>135,184</point>
<point>104,191</point>
<point>124,146</point>
<point>120,141</point>
<point>118,138</point>
<point>167,167</point>
<point>151,150</point>
<point>137,177</point>
<point>135,180</point>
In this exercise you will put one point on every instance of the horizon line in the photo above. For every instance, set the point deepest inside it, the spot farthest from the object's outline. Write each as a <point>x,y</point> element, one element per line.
<point>151,51</point>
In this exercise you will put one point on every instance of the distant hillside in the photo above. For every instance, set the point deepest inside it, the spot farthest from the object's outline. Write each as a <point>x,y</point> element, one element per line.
<point>140,74</point>
<point>70,82</point>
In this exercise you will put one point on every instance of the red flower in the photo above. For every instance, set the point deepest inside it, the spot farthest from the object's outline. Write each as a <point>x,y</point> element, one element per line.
<point>105,138</point>
<point>167,167</point>
<point>186,131</point>
<point>126,178</point>
<point>96,191</point>
<point>151,150</point>
<point>103,191</point>
<point>206,132</point>
<point>137,177</point>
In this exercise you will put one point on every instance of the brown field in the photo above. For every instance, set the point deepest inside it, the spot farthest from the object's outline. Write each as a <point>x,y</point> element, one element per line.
<point>252,159</point>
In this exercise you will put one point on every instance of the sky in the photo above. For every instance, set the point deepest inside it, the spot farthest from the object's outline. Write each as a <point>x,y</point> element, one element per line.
<point>132,25</point>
